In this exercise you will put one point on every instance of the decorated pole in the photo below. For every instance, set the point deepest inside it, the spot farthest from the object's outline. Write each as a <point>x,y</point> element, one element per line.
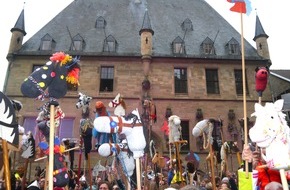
<point>6,165</point>
<point>56,74</point>
<point>51,144</point>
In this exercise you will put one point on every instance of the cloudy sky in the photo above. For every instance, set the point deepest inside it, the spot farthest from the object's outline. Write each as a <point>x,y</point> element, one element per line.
<point>273,17</point>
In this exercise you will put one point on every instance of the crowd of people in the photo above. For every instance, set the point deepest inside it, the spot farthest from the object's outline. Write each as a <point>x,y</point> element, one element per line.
<point>268,179</point>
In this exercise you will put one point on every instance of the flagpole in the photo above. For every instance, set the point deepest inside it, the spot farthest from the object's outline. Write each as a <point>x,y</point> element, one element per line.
<point>244,92</point>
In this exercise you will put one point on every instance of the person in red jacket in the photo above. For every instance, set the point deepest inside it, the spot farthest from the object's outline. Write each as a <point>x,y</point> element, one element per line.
<point>265,175</point>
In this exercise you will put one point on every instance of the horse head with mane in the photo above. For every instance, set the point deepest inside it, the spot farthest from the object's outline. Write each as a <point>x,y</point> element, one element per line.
<point>28,146</point>
<point>129,125</point>
<point>205,128</point>
<point>174,128</point>
<point>86,124</point>
<point>84,103</point>
<point>272,133</point>
<point>119,104</point>
<point>8,123</point>
<point>55,75</point>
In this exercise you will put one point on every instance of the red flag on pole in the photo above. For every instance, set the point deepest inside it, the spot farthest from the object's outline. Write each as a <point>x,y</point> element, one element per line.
<point>241,6</point>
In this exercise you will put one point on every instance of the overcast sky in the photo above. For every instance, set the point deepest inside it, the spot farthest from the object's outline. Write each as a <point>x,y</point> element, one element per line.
<point>273,16</point>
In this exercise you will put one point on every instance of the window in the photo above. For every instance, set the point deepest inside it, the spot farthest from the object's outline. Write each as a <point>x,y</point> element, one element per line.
<point>185,135</point>
<point>110,44</point>
<point>29,124</point>
<point>47,43</point>
<point>78,43</point>
<point>66,127</point>
<point>207,47</point>
<point>107,79</point>
<point>180,80</point>
<point>239,82</point>
<point>178,46</point>
<point>187,25</point>
<point>212,82</point>
<point>233,47</point>
<point>100,23</point>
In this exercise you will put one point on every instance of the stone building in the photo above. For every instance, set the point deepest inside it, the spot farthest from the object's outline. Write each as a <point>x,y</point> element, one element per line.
<point>189,56</point>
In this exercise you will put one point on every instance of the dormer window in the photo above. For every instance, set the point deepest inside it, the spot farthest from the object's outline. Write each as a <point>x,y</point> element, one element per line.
<point>110,44</point>
<point>233,47</point>
<point>47,43</point>
<point>187,25</point>
<point>78,43</point>
<point>101,23</point>
<point>207,47</point>
<point>178,46</point>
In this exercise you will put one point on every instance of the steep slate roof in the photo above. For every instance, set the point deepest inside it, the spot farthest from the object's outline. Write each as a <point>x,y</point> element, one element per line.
<point>259,32</point>
<point>282,74</point>
<point>124,19</point>
<point>19,25</point>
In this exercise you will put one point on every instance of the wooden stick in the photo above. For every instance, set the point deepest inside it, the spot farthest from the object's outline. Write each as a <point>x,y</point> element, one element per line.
<point>244,93</point>
<point>260,100</point>
<point>2,169</point>
<point>29,173</point>
<point>89,170</point>
<point>24,174</point>
<point>51,148</point>
<point>41,158</point>
<point>212,167</point>
<point>177,145</point>
<point>80,160</point>
<point>6,165</point>
<point>239,158</point>
<point>46,175</point>
<point>138,173</point>
<point>283,179</point>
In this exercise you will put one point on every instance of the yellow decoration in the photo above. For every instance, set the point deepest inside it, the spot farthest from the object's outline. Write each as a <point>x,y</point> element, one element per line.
<point>72,80</point>
<point>177,178</point>
<point>41,84</point>
<point>66,59</point>
<point>61,148</point>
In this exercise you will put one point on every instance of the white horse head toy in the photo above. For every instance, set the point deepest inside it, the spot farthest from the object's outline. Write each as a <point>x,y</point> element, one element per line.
<point>204,128</point>
<point>121,150</point>
<point>131,126</point>
<point>119,104</point>
<point>83,102</point>
<point>174,128</point>
<point>272,133</point>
